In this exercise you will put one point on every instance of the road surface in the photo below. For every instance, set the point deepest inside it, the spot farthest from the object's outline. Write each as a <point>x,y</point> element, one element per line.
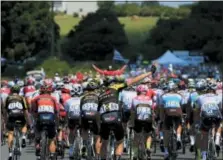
<point>28,153</point>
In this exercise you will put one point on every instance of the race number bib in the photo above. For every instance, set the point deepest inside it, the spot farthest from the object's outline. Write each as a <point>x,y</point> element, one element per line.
<point>209,107</point>
<point>109,107</point>
<point>15,105</point>
<point>172,104</point>
<point>75,109</point>
<point>143,112</point>
<point>45,108</point>
<point>90,107</point>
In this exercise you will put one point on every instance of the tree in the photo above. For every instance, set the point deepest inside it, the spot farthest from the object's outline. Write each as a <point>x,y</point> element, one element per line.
<point>106,5</point>
<point>96,36</point>
<point>26,29</point>
<point>149,3</point>
<point>200,31</point>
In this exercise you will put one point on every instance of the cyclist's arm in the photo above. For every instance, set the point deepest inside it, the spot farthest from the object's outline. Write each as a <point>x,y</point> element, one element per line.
<point>26,111</point>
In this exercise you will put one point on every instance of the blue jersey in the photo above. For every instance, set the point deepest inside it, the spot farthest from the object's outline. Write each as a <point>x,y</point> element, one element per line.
<point>192,98</point>
<point>171,100</point>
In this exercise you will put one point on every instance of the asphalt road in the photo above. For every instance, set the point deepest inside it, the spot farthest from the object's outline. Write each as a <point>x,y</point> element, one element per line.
<point>28,153</point>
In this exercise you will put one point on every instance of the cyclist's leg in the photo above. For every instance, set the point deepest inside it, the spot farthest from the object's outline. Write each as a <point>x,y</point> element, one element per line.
<point>126,116</point>
<point>166,130</point>
<point>119,136</point>
<point>52,137</point>
<point>204,141</point>
<point>37,138</point>
<point>24,132</point>
<point>179,131</point>
<point>104,136</point>
<point>71,135</point>
<point>10,128</point>
<point>148,129</point>
<point>218,135</point>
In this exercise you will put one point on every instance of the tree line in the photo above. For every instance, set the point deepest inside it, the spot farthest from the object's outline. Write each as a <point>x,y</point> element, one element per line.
<point>201,31</point>
<point>146,8</point>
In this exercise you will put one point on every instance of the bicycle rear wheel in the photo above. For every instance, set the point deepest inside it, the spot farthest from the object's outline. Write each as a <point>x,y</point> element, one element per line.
<point>43,146</point>
<point>16,150</point>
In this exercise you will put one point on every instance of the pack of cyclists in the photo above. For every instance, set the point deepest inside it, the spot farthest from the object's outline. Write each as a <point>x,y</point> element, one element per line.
<point>111,105</point>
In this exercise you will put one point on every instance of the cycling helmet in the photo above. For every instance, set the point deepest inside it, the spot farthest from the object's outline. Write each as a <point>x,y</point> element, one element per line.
<point>30,82</point>
<point>200,85</point>
<point>4,83</point>
<point>191,83</point>
<point>11,83</point>
<point>66,79</point>
<point>141,88</point>
<point>15,89</point>
<point>47,86</point>
<point>65,89</point>
<point>93,84</point>
<point>77,89</point>
<point>212,86</point>
<point>20,83</point>
<point>171,86</point>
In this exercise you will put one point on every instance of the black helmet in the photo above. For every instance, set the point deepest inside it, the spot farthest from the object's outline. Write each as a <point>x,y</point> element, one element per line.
<point>15,89</point>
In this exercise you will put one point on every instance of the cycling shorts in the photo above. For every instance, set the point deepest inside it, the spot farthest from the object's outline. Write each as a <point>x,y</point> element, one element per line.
<point>12,119</point>
<point>117,129</point>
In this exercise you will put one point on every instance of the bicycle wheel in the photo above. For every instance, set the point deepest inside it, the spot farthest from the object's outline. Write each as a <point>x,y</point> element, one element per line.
<point>154,141</point>
<point>211,147</point>
<point>90,149</point>
<point>16,148</point>
<point>184,136</point>
<point>77,148</point>
<point>130,145</point>
<point>43,146</point>
<point>111,147</point>
<point>141,148</point>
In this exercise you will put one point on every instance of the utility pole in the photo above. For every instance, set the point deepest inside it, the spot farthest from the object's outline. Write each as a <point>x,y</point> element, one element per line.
<point>52,29</point>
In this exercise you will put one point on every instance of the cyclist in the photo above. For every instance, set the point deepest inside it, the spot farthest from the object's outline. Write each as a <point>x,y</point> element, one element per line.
<point>193,94</point>
<point>45,110</point>
<point>170,110</point>
<point>16,109</point>
<point>142,106</point>
<point>109,107</point>
<point>210,113</point>
<point>72,107</point>
<point>90,114</point>
<point>5,90</point>
<point>28,90</point>
<point>126,97</point>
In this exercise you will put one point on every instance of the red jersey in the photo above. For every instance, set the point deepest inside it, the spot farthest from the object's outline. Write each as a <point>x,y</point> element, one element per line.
<point>29,90</point>
<point>5,90</point>
<point>65,97</point>
<point>45,103</point>
<point>150,93</point>
<point>62,111</point>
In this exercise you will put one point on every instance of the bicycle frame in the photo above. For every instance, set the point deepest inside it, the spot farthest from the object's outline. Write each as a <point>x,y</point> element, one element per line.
<point>44,149</point>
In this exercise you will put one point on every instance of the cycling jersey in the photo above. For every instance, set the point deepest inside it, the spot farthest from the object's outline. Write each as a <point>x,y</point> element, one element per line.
<point>208,102</point>
<point>15,105</point>
<point>5,91</point>
<point>126,98</point>
<point>143,106</point>
<point>108,100</point>
<point>186,95</point>
<point>45,104</point>
<point>151,93</point>
<point>89,105</point>
<point>172,102</point>
<point>27,91</point>
<point>72,107</point>
<point>64,97</point>
<point>192,98</point>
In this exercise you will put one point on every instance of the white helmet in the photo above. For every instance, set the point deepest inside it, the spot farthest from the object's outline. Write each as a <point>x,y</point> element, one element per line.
<point>77,89</point>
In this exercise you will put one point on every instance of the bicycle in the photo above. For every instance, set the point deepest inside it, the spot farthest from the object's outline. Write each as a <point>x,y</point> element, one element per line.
<point>77,145</point>
<point>172,147</point>
<point>184,133</point>
<point>111,146</point>
<point>211,153</point>
<point>16,143</point>
<point>90,142</point>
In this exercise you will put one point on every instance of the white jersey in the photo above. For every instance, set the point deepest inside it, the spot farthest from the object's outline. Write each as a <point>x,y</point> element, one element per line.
<point>126,98</point>
<point>159,93</point>
<point>208,102</point>
<point>186,96</point>
<point>72,107</point>
<point>56,94</point>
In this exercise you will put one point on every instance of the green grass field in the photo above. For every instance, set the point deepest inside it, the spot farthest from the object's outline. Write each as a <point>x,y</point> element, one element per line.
<point>136,30</point>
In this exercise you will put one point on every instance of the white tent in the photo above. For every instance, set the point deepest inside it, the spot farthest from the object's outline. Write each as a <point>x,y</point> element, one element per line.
<point>169,58</point>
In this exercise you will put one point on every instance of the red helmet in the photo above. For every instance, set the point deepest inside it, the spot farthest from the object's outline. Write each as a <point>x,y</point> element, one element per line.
<point>30,81</point>
<point>47,86</point>
<point>65,89</point>
<point>4,83</point>
<point>142,88</point>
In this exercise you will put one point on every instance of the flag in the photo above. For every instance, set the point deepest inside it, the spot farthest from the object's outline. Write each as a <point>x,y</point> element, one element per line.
<point>118,57</point>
